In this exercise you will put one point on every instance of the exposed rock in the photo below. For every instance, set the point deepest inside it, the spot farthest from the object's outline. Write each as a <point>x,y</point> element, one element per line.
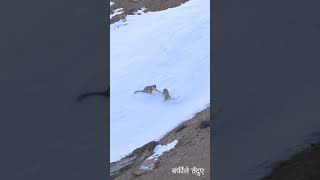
<point>180,128</point>
<point>204,124</point>
<point>146,165</point>
<point>130,7</point>
<point>147,148</point>
<point>122,165</point>
<point>136,157</point>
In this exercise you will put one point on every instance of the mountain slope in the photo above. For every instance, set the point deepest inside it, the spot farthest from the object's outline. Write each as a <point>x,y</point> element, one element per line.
<point>192,150</point>
<point>169,48</point>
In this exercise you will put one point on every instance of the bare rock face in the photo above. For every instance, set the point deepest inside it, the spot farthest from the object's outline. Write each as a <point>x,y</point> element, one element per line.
<point>130,7</point>
<point>145,149</point>
<point>145,166</point>
<point>204,124</point>
<point>180,128</point>
<point>122,165</point>
<point>138,156</point>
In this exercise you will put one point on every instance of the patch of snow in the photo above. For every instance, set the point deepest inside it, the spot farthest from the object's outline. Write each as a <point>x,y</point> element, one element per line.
<point>111,3</point>
<point>116,12</point>
<point>169,48</point>
<point>160,149</point>
<point>140,11</point>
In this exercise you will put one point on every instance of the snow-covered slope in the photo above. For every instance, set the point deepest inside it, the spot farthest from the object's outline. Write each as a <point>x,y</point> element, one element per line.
<point>169,48</point>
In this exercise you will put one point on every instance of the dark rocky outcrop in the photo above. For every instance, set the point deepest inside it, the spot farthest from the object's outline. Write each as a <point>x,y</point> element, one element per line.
<point>135,158</point>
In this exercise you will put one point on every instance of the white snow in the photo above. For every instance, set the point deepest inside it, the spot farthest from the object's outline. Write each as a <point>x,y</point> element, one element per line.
<point>140,11</point>
<point>116,12</point>
<point>111,3</point>
<point>169,48</point>
<point>160,149</point>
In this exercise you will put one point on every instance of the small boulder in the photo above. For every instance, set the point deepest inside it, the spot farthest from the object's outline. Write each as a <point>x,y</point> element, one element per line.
<point>204,124</point>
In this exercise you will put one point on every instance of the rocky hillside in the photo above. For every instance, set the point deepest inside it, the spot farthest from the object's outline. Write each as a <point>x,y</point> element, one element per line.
<point>192,150</point>
<point>119,9</point>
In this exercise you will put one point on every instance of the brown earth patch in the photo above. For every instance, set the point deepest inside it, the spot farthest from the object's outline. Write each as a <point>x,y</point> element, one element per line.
<point>132,6</point>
